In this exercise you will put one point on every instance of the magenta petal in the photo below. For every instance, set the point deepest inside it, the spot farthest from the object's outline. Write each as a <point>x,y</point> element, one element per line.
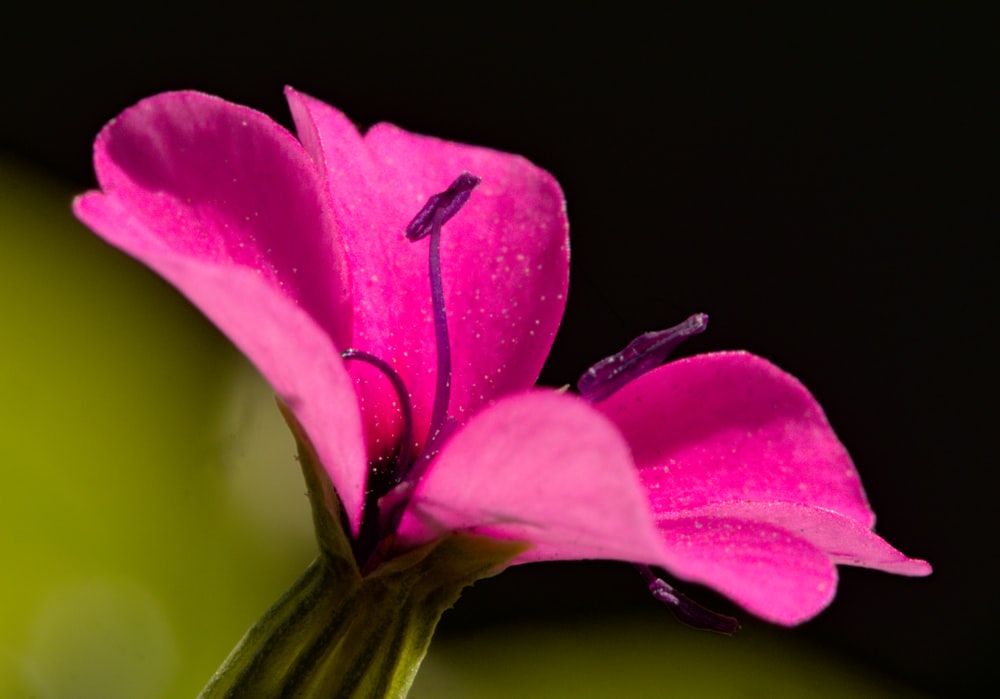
<point>504,260</point>
<point>542,467</point>
<point>226,205</point>
<point>731,426</point>
<point>775,559</point>
<point>223,183</point>
<point>754,494</point>
<point>765,569</point>
<point>840,538</point>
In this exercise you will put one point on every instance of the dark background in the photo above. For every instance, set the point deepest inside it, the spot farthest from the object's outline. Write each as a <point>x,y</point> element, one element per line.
<point>821,185</point>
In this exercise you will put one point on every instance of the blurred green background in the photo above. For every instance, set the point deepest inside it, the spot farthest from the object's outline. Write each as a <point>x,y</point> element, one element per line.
<point>151,509</point>
<point>821,182</point>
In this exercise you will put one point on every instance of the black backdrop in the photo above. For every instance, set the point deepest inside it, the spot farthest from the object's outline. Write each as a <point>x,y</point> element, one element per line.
<point>821,185</point>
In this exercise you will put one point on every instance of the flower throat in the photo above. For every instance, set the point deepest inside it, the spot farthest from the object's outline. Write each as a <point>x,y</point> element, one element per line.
<point>404,471</point>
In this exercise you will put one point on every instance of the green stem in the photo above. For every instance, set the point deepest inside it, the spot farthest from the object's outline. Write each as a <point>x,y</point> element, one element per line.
<point>325,639</point>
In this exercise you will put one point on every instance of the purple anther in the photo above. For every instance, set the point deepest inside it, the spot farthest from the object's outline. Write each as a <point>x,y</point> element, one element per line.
<point>643,354</point>
<point>686,609</point>
<point>441,207</point>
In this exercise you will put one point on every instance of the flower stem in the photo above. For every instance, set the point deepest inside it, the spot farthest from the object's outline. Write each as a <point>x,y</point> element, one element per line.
<point>323,639</point>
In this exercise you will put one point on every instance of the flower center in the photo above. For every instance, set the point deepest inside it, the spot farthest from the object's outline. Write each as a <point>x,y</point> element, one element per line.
<point>406,471</point>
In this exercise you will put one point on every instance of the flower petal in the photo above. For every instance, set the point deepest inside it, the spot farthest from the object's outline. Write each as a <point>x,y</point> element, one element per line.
<point>225,204</point>
<point>765,569</point>
<point>542,467</point>
<point>840,538</point>
<point>504,262</point>
<point>731,426</point>
<point>775,559</point>
<point>754,494</point>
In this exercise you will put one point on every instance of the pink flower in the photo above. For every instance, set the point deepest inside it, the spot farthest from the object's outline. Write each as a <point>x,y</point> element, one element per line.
<point>719,468</point>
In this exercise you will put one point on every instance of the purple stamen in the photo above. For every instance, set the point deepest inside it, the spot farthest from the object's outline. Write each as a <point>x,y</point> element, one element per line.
<point>405,409</point>
<point>643,354</point>
<point>382,481</point>
<point>685,608</point>
<point>438,210</point>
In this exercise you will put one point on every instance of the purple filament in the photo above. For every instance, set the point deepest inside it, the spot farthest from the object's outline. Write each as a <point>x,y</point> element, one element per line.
<point>643,354</point>
<point>406,410</point>
<point>442,391</point>
<point>686,609</point>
